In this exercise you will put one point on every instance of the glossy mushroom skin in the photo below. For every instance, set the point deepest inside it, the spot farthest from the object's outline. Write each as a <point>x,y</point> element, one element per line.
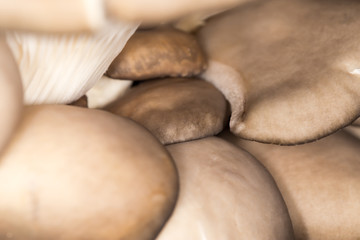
<point>288,68</point>
<point>224,194</point>
<point>11,98</point>
<point>158,53</point>
<point>320,183</point>
<point>74,173</point>
<point>174,110</point>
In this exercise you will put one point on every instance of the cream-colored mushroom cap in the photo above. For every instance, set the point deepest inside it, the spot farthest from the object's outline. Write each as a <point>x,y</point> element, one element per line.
<point>10,93</point>
<point>224,194</point>
<point>294,64</point>
<point>74,173</point>
<point>163,52</point>
<point>320,183</point>
<point>157,11</point>
<point>174,110</point>
<point>52,15</point>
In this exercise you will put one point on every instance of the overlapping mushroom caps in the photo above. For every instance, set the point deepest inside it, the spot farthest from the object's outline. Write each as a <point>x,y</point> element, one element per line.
<point>224,194</point>
<point>320,183</point>
<point>163,52</point>
<point>60,68</point>
<point>290,69</point>
<point>174,110</point>
<point>75,173</point>
<point>11,101</point>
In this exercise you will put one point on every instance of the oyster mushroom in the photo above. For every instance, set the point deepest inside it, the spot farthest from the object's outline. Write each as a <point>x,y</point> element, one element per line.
<point>290,69</point>
<point>10,93</point>
<point>52,15</point>
<point>224,194</point>
<point>320,183</point>
<point>76,173</point>
<point>174,110</point>
<point>158,53</point>
<point>60,68</point>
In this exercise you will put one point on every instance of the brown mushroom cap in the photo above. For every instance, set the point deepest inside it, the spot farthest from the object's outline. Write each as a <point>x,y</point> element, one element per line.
<point>11,100</point>
<point>158,53</point>
<point>224,194</point>
<point>320,183</point>
<point>174,110</point>
<point>76,173</point>
<point>294,62</point>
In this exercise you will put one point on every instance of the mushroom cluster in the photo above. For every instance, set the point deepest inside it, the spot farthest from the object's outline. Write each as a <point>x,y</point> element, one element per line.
<point>173,120</point>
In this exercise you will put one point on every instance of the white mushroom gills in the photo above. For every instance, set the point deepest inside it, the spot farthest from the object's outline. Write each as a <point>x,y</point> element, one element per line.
<point>60,68</point>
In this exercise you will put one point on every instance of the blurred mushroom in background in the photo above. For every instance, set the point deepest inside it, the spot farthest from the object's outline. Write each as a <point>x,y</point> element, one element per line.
<point>224,194</point>
<point>11,95</point>
<point>174,109</point>
<point>76,173</point>
<point>320,183</point>
<point>288,68</point>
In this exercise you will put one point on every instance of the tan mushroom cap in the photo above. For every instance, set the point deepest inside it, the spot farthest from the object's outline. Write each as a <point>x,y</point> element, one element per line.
<point>158,53</point>
<point>295,64</point>
<point>10,93</point>
<point>174,110</point>
<point>52,15</point>
<point>157,11</point>
<point>75,173</point>
<point>320,183</point>
<point>224,194</point>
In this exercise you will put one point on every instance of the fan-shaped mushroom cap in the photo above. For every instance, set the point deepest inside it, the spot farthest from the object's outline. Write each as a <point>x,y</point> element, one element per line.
<point>52,15</point>
<point>224,194</point>
<point>296,64</point>
<point>61,68</point>
<point>320,183</point>
<point>158,53</point>
<point>76,173</point>
<point>174,110</point>
<point>10,93</point>
<point>156,11</point>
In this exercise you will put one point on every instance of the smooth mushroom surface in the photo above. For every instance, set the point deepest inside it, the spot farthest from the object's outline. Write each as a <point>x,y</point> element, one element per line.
<point>107,90</point>
<point>158,11</point>
<point>158,53</point>
<point>320,183</point>
<point>61,68</point>
<point>52,15</point>
<point>75,173</point>
<point>290,69</point>
<point>174,110</point>
<point>224,194</point>
<point>11,101</point>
